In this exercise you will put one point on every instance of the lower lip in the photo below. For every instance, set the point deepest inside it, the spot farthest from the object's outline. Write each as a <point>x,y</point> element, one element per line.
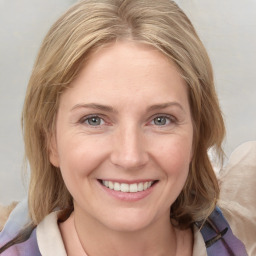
<point>128,196</point>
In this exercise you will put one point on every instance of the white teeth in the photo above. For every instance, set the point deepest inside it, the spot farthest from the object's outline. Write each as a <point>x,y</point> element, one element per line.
<point>105,182</point>
<point>110,185</point>
<point>140,186</point>
<point>124,187</point>
<point>133,188</point>
<point>116,186</point>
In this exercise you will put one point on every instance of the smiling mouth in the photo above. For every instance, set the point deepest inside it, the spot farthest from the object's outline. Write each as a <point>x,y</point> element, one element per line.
<point>128,188</point>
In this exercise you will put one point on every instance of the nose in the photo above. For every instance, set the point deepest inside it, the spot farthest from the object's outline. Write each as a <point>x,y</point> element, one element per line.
<point>129,148</point>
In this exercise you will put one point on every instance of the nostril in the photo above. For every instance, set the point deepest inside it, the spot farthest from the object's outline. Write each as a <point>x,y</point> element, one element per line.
<point>130,160</point>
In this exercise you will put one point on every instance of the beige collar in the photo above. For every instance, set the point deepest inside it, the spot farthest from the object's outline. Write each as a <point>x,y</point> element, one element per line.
<point>50,240</point>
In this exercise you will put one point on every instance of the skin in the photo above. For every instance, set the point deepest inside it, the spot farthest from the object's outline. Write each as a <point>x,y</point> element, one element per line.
<point>143,132</point>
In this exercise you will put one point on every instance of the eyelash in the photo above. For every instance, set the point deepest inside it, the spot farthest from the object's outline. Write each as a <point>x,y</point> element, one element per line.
<point>86,119</point>
<point>170,118</point>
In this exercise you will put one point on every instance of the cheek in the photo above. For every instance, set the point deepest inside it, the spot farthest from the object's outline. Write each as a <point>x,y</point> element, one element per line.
<point>174,160</point>
<point>79,158</point>
<point>175,155</point>
<point>172,155</point>
<point>77,164</point>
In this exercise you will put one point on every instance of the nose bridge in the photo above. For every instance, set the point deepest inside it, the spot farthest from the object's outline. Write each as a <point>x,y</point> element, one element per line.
<point>129,148</point>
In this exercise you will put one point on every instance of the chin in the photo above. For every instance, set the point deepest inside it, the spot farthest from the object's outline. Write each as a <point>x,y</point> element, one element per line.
<point>129,221</point>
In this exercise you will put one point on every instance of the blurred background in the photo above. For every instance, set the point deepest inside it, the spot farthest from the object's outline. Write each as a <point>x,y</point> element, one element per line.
<point>227,28</point>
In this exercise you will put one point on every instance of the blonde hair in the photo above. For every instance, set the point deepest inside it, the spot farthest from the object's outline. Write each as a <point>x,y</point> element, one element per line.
<point>87,26</point>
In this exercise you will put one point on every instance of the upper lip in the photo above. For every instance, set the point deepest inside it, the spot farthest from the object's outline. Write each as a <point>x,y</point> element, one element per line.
<point>128,181</point>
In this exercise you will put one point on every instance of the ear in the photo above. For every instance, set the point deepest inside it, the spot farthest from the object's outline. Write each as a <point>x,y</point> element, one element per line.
<point>53,152</point>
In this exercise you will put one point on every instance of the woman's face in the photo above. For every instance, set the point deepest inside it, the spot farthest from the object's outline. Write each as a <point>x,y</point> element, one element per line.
<point>124,137</point>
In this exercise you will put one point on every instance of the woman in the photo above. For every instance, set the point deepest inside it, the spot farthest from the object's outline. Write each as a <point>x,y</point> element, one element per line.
<point>119,114</point>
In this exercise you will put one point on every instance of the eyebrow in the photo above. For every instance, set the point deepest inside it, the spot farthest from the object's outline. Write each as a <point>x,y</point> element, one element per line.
<point>110,109</point>
<point>94,106</point>
<point>165,105</point>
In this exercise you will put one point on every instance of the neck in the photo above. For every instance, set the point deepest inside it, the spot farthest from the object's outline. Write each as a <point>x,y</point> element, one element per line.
<point>159,238</point>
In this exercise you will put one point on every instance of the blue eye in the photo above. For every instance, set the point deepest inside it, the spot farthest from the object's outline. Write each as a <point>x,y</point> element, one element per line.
<point>161,120</point>
<point>94,121</point>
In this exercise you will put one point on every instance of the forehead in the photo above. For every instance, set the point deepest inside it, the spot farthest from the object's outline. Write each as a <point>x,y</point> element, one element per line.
<point>122,68</point>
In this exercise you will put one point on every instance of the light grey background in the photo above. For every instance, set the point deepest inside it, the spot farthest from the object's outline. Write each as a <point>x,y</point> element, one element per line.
<point>227,28</point>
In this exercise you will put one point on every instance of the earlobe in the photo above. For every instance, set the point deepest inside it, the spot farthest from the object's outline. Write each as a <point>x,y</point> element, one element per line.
<point>53,152</point>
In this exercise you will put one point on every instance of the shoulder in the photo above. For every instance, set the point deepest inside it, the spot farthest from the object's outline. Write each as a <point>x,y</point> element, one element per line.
<point>17,219</point>
<point>25,244</point>
<point>45,239</point>
<point>26,248</point>
<point>49,237</point>
<point>237,194</point>
<point>237,199</point>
